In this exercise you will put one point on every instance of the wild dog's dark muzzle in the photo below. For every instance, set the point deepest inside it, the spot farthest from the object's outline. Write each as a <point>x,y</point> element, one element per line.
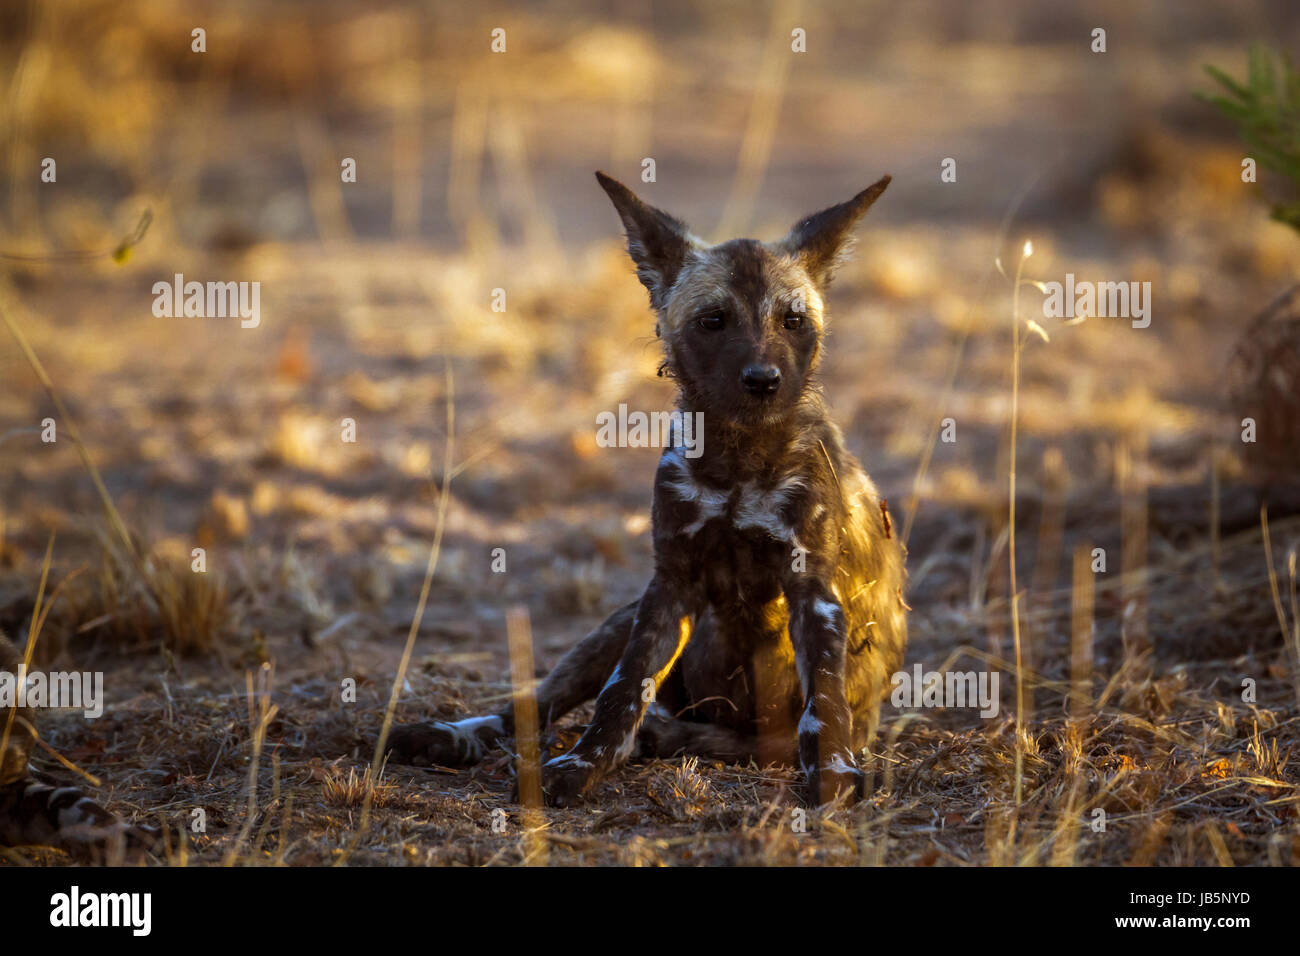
<point>761,380</point>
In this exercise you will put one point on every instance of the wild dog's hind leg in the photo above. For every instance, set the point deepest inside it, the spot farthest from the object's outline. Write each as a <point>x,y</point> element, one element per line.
<point>662,735</point>
<point>578,677</point>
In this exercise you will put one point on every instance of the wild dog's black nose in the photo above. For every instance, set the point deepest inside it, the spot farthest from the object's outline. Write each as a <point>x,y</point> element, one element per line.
<point>761,379</point>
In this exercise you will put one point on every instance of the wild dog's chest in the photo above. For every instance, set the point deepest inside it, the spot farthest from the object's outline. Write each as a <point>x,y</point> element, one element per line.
<point>736,542</point>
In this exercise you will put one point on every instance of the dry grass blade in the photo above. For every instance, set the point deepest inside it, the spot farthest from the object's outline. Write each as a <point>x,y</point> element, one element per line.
<point>260,714</point>
<point>954,365</point>
<point>435,549</point>
<point>756,147</point>
<point>40,612</point>
<point>1011,534</point>
<point>529,774</point>
<point>70,426</point>
<point>32,634</point>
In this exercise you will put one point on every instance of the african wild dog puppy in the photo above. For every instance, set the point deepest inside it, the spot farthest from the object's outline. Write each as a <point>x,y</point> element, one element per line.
<point>775,614</point>
<point>34,812</point>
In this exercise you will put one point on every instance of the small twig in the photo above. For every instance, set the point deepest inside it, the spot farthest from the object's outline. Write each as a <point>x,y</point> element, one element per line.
<point>118,253</point>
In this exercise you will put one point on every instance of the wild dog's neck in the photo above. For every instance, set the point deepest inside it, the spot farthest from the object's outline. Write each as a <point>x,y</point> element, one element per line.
<point>731,452</point>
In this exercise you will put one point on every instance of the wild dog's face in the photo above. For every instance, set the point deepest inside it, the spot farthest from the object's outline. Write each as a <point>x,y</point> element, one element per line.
<point>743,321</point>
<point>743,327</point>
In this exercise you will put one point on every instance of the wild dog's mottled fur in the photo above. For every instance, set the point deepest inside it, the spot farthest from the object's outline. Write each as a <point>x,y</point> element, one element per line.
<point>33,812</point>
<point>775,614</point>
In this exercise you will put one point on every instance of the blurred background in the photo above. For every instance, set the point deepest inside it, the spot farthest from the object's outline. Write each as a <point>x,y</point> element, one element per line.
<point>474,174</point>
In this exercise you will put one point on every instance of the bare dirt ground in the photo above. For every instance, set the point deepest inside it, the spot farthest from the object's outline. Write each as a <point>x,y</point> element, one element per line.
<point>475,175</point>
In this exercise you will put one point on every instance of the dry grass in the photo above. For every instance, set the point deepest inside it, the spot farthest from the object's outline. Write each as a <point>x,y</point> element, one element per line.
<point>357,790</point>
<point>1185,772</point>
<point>168,606</point>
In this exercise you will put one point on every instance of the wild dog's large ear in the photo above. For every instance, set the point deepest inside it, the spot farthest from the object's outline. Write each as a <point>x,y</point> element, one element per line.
<point>824,240</point>
<point>656,241</point>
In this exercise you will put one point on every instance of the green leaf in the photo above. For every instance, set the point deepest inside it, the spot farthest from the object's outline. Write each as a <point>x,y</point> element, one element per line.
<point>1226,106</point>
<point>1288,213</point>
<point>1265,109</point>
<point>1228,82</point>
<point>1260,70</point>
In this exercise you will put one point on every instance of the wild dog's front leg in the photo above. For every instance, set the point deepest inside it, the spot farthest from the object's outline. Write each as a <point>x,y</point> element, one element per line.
<point>818,632</point>
<point>659,634</point>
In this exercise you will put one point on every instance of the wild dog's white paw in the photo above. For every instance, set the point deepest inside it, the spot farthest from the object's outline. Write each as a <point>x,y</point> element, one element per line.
<point>566,778</point>
<point>455,744</point>
<point>837,775</point>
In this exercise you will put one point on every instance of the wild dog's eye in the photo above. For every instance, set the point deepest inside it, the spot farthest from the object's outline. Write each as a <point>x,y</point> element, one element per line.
<point>794,321</point>
<point>710,321</point>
